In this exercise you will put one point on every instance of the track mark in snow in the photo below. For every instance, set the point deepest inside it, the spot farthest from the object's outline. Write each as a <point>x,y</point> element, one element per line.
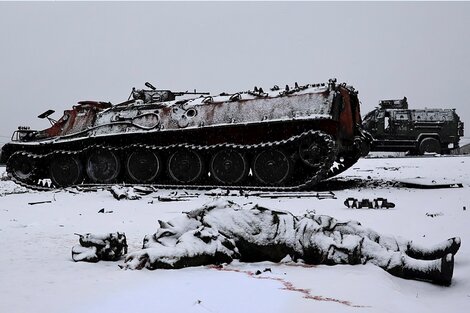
<point>289,286</point>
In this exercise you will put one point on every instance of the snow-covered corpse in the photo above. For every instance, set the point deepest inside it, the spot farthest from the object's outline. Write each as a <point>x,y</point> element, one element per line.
<point>222,231</point>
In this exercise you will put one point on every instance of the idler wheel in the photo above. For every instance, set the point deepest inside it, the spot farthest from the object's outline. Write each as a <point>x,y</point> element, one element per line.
<point>143,166</point>
<point>272,167</point>
<point>103,166</point>
<point>22,167</point>
<point>185,166</point>
<point>228,166</point>
<point>66,170</point>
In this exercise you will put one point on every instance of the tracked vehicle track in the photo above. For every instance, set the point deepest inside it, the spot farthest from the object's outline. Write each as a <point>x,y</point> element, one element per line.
<point>309,167</point>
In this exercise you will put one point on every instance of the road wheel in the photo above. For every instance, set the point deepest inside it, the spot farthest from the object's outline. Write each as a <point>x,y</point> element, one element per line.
<point>103,166</point>
<point>66,170</point>
<point>228,166</point>
<point>143,166</point>
<point>430,145</point>
<point>272,167</point>
<point>185,166</point>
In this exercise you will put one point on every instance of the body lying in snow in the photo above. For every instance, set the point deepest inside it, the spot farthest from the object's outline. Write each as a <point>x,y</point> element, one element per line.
<point>222,231</point>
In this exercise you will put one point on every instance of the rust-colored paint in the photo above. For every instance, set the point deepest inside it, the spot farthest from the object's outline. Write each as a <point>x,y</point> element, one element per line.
<point>78,119</point>
<point>346,122</point>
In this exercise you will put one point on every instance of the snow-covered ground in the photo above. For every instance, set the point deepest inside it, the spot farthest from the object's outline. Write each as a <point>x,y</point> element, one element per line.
<point>38,274</point>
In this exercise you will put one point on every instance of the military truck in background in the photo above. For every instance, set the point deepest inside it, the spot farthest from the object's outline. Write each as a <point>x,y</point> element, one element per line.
<point>394,127</point>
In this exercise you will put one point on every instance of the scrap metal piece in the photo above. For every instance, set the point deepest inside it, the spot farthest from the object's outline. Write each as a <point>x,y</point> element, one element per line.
<point>351,203</point>
<point>119,193</point>
<point>426,184</point>
<point>319,195</point>
<point>377,203</point>
<point>39,202</point>
<point>365,203</point>
<point>175,196</point>
<point>382,203</point>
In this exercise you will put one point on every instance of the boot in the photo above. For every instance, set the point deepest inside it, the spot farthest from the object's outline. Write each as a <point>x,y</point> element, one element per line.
<point>438,251</point>
<point>437,271</point>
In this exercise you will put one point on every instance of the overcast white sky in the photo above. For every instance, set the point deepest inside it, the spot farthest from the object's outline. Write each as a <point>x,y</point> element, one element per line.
<point>55,54</point>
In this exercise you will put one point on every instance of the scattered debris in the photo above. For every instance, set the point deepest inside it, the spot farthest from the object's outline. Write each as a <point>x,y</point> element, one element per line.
<point>216,192</point>
<point>107,247</point>
<point>391,168</point>
<point>74,191</point>
<point>223,192</point>
<point>351,203</point>
<point>175,196</point>
<point>306,194</point>
<point>103,211</point>
<point>92,188</point>
<point>169,199</point>
<point>434,214</point>
<point>378,203</point>
<point>365,203</point>
<point>142,190</point>
<point>39,202</point>
<point>120,192</point>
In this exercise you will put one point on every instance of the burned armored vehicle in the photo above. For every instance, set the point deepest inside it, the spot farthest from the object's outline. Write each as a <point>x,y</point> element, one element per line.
<point>394,127</point>
<point>282,139</point>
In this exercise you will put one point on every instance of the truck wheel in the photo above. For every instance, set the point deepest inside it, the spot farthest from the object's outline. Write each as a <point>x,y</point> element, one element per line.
<point>429,145</point>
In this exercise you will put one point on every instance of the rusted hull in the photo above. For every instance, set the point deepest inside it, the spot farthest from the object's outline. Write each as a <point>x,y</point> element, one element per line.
<point>285,140</point>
